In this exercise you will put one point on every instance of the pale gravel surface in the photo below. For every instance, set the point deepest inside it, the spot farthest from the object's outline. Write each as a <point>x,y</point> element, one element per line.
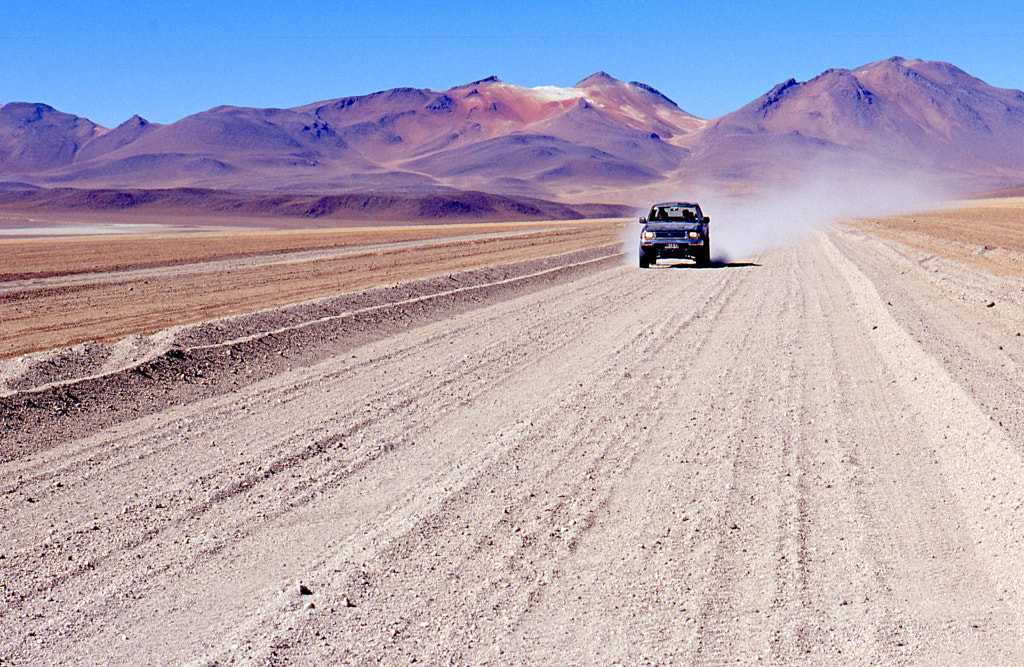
<point>813,459</point>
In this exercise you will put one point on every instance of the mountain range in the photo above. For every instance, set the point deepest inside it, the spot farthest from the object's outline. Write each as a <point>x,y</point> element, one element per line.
<point>600,140</point>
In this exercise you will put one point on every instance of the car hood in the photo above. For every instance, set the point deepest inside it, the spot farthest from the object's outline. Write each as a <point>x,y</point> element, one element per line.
<point>672,226</point>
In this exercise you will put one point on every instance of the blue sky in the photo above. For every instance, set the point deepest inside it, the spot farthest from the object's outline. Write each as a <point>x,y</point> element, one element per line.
<point>109,60</point>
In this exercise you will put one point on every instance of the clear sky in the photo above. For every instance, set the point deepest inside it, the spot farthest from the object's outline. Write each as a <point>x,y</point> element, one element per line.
<point>165,60</point>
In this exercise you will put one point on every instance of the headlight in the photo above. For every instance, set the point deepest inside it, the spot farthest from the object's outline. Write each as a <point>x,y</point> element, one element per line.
<point>648,235</point>
<point>694,235</point>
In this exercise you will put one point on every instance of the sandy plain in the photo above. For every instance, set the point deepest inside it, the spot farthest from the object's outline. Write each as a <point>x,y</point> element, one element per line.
<point>57,292</point>
<point>812,457</point>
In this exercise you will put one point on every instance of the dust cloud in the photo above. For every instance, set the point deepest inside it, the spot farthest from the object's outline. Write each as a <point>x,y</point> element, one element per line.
<point>742,228</point>
<point>743,225</point>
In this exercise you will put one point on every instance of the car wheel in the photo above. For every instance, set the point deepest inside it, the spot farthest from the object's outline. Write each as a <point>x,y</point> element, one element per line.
<point>645,261</point>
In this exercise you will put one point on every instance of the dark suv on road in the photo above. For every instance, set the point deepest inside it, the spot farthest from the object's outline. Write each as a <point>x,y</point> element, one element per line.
<point>675,229</point>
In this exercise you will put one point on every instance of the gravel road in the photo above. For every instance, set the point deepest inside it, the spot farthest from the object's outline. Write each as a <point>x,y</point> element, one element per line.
<point>811,458</point>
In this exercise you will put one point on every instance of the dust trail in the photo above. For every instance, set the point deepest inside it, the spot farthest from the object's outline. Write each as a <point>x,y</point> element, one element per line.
<point>780,215</point>
<point>741,229</point>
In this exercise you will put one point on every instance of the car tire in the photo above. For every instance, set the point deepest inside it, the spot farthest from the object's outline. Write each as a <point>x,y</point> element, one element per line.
<point>704,257</point>
<point>645,260</point>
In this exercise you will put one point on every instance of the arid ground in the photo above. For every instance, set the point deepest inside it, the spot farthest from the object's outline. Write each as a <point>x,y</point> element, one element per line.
<point>506,444</point>
<point>62,291</point>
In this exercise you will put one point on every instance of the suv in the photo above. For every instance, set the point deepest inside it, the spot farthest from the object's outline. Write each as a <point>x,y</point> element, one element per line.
<point>675,229</point>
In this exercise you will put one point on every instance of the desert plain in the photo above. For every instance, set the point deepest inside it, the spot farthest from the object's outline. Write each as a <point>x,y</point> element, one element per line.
<point>506,444</point>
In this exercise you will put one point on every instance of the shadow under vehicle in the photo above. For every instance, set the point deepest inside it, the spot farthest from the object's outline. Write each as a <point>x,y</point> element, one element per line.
<point>675,229</point>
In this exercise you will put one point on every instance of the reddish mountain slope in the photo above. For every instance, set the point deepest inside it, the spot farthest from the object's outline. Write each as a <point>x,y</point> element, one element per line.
<point>488,135</point>
<point>600,139</point>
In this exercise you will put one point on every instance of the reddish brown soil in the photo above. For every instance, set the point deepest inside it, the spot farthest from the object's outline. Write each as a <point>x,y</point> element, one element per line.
<point>59,292</point>
<point>970,232</point>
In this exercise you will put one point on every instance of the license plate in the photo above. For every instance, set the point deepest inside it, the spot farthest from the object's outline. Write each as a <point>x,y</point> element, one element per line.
<point>672,246</point>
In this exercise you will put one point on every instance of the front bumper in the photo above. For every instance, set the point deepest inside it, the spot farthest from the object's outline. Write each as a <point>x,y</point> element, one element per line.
<point>672,244</point>
<point>673,247</point>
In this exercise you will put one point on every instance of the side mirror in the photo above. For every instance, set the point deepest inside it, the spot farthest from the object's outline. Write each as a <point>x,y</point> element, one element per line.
<point>707,219</point>
<point>643,221</point>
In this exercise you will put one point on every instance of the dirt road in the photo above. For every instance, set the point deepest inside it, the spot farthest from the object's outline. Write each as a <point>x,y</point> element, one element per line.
<point>813,458</point>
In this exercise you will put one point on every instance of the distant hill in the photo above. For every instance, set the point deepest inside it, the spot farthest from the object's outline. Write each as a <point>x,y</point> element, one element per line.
<point>600,140</point>
<point>440,206</point>
<point>35,138</point>
<point>896,113</point>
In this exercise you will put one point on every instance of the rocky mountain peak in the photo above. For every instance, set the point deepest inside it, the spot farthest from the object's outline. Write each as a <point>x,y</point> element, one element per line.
<point>597,79</point>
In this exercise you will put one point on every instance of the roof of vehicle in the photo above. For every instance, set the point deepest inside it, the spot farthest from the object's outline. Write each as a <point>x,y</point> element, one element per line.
<point>674,203</point>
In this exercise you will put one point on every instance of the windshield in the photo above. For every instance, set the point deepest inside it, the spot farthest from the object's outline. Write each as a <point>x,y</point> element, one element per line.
<point>674,213</point>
